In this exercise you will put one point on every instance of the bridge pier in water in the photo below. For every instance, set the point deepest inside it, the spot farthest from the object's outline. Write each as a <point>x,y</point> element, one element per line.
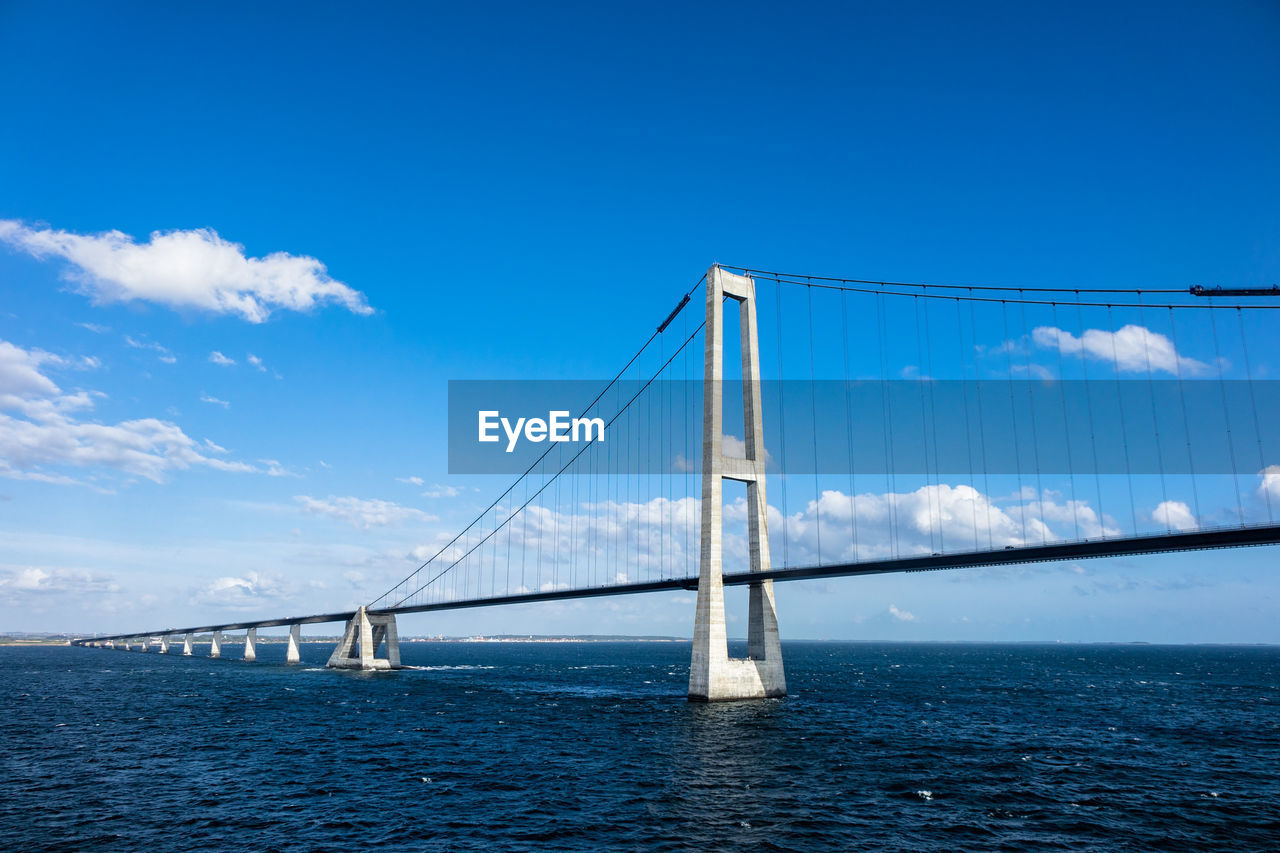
<point>215,646</point>
<point>251,644</point>
<point>713,675</point>
<point>164,644</point>
<point>365,633</point>
<point>186,645</point>
<point>292,654</point>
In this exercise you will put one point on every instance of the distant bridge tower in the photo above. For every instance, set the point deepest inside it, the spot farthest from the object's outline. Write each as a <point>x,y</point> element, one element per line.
<point>713,676</point>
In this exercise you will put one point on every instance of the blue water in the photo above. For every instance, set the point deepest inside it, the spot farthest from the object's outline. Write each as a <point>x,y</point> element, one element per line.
<point>592,746</point>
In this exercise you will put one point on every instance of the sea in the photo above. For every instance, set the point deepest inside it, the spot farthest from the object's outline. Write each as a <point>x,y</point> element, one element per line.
<point>592,746</point>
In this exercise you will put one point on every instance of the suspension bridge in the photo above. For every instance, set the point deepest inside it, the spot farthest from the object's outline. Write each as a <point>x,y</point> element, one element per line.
<point>901,427</point>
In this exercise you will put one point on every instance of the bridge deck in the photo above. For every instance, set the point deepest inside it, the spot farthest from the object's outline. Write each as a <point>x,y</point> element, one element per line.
<point>1162,543</point>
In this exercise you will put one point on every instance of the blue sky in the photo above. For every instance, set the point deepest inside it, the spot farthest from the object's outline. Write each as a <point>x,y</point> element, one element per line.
<point>511,191</point>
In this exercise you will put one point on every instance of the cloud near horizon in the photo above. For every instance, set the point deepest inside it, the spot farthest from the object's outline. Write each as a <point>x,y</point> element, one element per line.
<point>194,269</point>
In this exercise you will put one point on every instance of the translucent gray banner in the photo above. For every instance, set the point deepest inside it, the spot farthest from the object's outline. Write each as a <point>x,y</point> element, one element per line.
<point>948,427</point>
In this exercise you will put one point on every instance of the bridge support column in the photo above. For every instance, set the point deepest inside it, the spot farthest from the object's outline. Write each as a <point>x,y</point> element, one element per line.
<point>215,648</point>
<point>186,646</point>
<point>713,675</point>
<point>292,655</point>
<point>364,635</point>
<point>142,643</point>
<point>164,644</point>
<point>251,644</point>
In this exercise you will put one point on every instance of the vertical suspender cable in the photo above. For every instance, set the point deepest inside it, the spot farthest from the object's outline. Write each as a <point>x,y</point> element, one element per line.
<point>1013,414</point>
<point>924,426</point>
<point>1226,411</point>
<point>813,405</point>
<point>1035,433</point>
<point>782,429</point>
<point>933,422</point>
<point>848,418</point>
<point>886,410</point>
<point>1155,416</point>
<point>1186,422</point>
<point>1066,426</point>
<point>1093,437</point>
<point>968,436</point>
<point>1257,426</point>
<point>1124,432</point>
<point>982,427</point>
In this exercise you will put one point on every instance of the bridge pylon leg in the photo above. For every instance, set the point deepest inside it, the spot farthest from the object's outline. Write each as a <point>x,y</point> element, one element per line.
<point>292,655</point>
<point>359,646</point>
<point>215,645</point>
<point>186,645</point>
<point>713,675</point>
<point>251,644</point>
<point>164,644</point>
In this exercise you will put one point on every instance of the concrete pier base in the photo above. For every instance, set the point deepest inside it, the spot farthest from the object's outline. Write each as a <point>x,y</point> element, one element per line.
<point>292,655</point>
<point>164,644</point>
<point>713,676</point>
<point>215,648</point>
<point>251,644</point>
<point>142,643</point>
<point>186,646</point>
<point>364,635</point>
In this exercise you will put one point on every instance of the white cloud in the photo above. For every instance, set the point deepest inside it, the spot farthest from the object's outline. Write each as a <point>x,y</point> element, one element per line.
<point>1175,515</point>
<point>240,593</point>
<point>40,428</point>
<point>256,362</point>
<point>413,481</point>
<point>162,352</point>
<point>730,445</point>
<point>901,615</point>
<point>95,328</point>
<point>20,371</point>
<point>439,491</point>
<point>186,269</point>
<point>931,518</point>
<point>275,469</point>
<point>362,513</point>
<point>1035,371</point>
<point>1269,481</point>
<point>912,372</point>
<point>19,584</point>
<point>660,537</point>
<point>1131,348</point>
<point>206,398</point>
<point>33,579</point>
<point>221,360</point>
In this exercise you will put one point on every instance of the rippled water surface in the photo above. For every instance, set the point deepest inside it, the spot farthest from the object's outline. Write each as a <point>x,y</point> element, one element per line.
<point>592,746</point>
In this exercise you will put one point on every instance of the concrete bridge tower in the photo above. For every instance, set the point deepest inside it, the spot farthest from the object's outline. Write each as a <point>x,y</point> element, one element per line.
<point>713,675</point>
